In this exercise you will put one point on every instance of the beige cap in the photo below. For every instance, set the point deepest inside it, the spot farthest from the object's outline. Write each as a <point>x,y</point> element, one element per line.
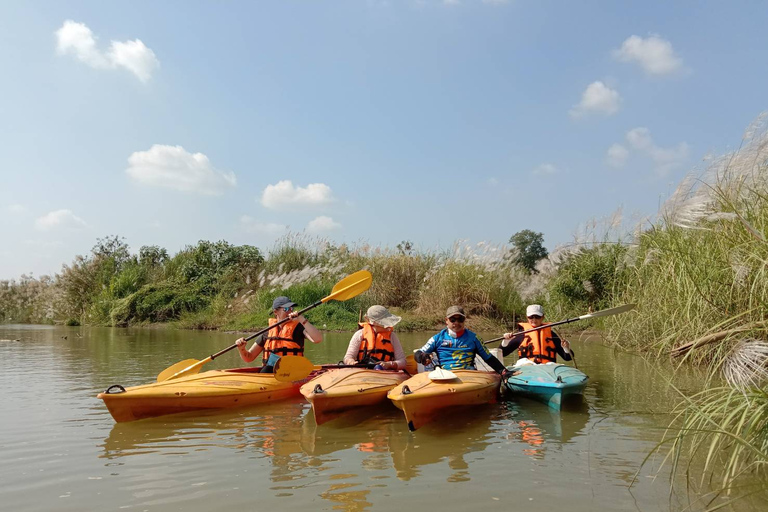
<point>455,310</point>
<point>379,315</point>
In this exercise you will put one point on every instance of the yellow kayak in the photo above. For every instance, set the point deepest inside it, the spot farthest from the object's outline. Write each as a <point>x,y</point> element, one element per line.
<point>421,398</point>
<point>336,391</point>
<point>215,389</point>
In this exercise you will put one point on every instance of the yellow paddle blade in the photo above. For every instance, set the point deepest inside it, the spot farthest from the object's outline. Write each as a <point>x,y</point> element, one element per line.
<point>292,368</point>
<point>183,371</point>
<point>351,286</point>
<point>411,366</point>
<point>175,368</point>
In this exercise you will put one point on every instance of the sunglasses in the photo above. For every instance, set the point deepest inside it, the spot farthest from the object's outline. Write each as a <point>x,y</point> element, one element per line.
<point>456,319</point>
<point>288,309</point>
<point>534,316</point>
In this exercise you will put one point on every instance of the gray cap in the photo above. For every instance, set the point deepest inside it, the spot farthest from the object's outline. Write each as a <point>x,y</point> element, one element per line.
<point>534,309</point>
<point>455,310</point>
<point>282,302</point>
<point>381,316</point>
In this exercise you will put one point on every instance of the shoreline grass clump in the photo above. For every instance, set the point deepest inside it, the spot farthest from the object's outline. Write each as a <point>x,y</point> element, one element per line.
<point>700,279</point>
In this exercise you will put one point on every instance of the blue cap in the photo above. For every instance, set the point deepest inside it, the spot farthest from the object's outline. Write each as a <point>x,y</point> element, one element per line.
<point>282,302</point>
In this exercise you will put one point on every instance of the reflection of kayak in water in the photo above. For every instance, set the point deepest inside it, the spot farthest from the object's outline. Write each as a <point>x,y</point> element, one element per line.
<point>215,389</point>
<point>450,439</point>
<point>337,391</point>
<point>546,383</point>
<point>559,426</point>
<point>421,399</point>
<point>269,429</point>
<point>366,430</point>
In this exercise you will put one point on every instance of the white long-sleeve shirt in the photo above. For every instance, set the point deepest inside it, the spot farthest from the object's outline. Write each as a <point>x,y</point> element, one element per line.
<point>354,347</point>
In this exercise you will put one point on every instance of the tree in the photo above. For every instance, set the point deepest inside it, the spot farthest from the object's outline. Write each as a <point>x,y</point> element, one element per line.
<point>529,248</point>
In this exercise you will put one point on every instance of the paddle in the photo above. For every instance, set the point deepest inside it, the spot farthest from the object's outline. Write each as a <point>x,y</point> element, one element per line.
<point>351,286</point>
<point>293,368</point>
<point>439,374</point>
<point>606,312</point>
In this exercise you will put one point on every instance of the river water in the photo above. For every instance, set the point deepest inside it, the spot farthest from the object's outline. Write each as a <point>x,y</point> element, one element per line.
<point>61,450</point>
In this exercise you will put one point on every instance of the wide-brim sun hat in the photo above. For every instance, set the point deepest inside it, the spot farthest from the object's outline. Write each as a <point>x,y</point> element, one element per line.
<point>380,315</point>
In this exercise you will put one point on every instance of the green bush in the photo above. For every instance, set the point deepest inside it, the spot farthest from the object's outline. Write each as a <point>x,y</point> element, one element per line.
<point>588,280</point>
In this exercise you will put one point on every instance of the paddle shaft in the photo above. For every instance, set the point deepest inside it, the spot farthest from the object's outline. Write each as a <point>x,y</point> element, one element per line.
<point>561,322</point>
<point>605,312</point>
<point>266,329</point>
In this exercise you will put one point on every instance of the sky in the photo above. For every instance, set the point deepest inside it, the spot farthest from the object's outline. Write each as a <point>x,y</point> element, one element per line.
<point>359,121</point>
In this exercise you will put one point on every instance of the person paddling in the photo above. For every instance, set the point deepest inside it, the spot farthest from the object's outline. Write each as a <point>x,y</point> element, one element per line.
<point>537,347</point>
<point>456,347</point>
<point>285,339</point>
<point>376,341</point>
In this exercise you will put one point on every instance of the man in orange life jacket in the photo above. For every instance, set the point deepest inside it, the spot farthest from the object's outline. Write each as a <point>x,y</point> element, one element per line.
<point>285,339</point>
<point>376,342</point>
<point>537,347</point>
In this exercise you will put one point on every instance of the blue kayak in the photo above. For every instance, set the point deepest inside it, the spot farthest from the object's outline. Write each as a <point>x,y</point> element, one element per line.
<point>548,383</point>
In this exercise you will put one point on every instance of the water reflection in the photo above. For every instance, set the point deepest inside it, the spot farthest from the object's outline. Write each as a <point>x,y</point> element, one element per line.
<point>540,427</point>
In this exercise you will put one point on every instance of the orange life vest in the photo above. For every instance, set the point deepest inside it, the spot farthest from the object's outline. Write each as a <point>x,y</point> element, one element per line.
<point>280,340</point>
<point>537,346</point>
<point>376,345</point>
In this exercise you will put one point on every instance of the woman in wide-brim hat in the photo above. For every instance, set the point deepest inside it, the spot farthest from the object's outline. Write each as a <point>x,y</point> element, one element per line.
<point>376,342</point>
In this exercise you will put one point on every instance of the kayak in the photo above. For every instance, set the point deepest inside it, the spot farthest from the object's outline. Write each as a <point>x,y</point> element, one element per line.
<point>421,398</point>
<point>336,391</point>
<point>548,383</point>
<point>215,389</point>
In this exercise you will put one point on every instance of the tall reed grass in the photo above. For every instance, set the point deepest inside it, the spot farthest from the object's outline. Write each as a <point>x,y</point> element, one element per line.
<point>700,278</point>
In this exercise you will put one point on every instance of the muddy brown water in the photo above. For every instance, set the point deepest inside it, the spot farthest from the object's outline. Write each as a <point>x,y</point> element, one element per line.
<point>62,451</point>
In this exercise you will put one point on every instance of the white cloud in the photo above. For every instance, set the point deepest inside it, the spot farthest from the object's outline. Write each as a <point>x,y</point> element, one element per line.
<point>321,224</point>
<point>78,40</point>
<point>16,209</point>
<point>617,155</point>
<point>597,97</point>
<point>492,181</point>
<point>59,219</point>
<point>285,194</point>
<point>251,225</point>
<point>173,167</point>
<point>545,170</point>
<point>496,2</point>
<point>640,141</point>
<point>654,54</point>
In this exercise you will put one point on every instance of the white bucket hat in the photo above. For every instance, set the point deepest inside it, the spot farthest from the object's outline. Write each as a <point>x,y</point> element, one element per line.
<point>534,309</point>
<point>379,315</point>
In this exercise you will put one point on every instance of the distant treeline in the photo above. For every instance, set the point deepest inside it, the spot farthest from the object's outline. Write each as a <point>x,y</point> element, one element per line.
<point>220,285</point>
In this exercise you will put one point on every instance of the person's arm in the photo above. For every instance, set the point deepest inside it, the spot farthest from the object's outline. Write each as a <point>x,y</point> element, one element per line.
<point>512,341</point>
<point>399,362</point>
<point>422,355</point>
<point>563,348</point>
<point>311,332</point>
<point>249,355</point>
<point>489,358</point>
<point>354,348</point>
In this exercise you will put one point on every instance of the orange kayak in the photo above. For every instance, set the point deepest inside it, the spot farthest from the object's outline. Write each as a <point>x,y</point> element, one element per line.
<point>421,398</point>
<point>336,391</point>
<point>215,389</point>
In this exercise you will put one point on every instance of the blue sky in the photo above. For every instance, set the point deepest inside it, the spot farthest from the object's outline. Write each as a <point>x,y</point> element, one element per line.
<point>171,122</point>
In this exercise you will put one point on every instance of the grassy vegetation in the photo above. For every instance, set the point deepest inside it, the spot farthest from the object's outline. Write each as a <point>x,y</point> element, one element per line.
<point>699,277</point>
